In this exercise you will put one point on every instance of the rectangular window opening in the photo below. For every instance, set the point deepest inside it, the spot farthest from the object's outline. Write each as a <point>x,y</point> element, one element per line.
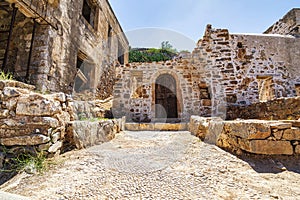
<point>89,12</point>
<point>120,53</point>
<point>80,79</point>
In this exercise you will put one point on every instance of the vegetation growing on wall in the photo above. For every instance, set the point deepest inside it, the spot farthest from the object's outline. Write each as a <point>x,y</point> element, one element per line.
<point>166,52</point>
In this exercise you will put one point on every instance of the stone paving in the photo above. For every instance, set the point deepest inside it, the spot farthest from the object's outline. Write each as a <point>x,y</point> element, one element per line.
<point>161,165</point>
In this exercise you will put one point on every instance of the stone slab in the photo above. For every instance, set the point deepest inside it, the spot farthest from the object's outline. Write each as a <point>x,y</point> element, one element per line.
<point>270,147</point>
<point>34,139</point>
<point>249,129</point>
<point>170,127</point>
<point>291,134</point>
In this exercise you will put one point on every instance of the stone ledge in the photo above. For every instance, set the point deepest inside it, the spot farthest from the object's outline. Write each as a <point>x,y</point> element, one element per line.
<point>156,126</point>
<point>252,136</point>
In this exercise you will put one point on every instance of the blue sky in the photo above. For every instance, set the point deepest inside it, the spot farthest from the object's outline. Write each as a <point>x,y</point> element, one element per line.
<point>187,19</point>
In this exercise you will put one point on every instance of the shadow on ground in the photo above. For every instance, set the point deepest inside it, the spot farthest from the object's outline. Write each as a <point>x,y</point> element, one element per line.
<point>272,164</point>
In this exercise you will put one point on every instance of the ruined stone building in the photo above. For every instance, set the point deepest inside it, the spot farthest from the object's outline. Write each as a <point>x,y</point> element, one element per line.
<point>224,69</point>
<point>62,45</point>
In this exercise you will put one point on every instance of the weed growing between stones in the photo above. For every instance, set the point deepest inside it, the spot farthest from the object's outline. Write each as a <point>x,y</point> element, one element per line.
<point>6,76</point>
<point>30,163</point>
<point>18,160</point>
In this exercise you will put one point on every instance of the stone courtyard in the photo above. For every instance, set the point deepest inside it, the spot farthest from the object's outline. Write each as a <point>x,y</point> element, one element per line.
<point>220,122</point>
<point>161,165</point>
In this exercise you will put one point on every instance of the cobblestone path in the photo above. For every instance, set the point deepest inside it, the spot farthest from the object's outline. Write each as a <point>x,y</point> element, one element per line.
<point>161,165</point>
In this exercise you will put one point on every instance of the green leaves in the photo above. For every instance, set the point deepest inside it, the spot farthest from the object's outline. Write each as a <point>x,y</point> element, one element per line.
<point>150,55</point>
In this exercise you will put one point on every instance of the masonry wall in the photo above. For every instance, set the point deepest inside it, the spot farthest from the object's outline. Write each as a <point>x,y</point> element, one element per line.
<point>234,69</point>
<point>277,109</point>
<point>242,64</point>
<point>134,92</point>
<point>62,36</point>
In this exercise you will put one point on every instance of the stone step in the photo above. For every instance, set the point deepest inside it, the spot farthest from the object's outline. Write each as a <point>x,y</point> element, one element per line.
<point>156,126</point>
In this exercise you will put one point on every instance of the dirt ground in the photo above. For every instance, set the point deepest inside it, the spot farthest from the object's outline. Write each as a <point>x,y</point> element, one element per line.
<point>161,165</point>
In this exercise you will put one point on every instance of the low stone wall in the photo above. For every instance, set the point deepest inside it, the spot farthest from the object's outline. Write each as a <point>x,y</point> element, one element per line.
<point>252,136</point>
<point>277,109</point>
<point>35,122</point>
<point>84,134</point>
<point>30,119</point>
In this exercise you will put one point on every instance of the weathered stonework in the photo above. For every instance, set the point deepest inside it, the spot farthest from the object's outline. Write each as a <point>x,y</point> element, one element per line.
<point>252,136</point>
<point>49,123</point>
<point>71,46</point>
<point>223,70</point>
<point>277,109</point>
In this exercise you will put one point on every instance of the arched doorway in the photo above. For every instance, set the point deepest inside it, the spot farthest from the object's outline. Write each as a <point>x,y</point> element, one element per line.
<point>165,97</point>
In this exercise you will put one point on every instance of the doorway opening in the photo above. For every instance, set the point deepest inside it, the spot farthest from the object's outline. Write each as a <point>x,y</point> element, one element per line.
<point>166,103</point>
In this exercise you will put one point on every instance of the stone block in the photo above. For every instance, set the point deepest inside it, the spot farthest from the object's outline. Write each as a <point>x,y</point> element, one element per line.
<point>146,127</point>
<point>244,144</point>
<point>17,84</point>
<point>248,129</point>
<point>4,113</point>
<point>278,134</point>
<point>55,147</point>
<point>291,134</point>
<point>132,126</point>
<point>61,97</point>
<point>206,102</point>
<point>34,139</point>
<point>85,133</point>
<point>170,127</point>
<point>227,142</point>
<point>9,92</point>
<point>10,104</point>
<point>269,147</point>
<point>55,137</point>
<point>48,121</point>
<point>37,105</point>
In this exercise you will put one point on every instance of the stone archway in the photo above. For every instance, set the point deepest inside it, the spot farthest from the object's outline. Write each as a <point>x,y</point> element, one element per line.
<point>166,103</point>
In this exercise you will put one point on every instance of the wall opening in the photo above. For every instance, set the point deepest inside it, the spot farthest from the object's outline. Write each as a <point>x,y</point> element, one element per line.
<point>89,12</point>
<point>80,79</point>
<point>109,39</point>
<point>120,53</point>
<point>166,103</point>
<point>265,88</point>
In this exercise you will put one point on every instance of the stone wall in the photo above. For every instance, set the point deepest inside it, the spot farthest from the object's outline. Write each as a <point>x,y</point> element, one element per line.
<point>223,70</point>
<point>288,25</point>
<point>242,65</point>
<point>250,136</point>
<point>66,46</point>
<point>134,91</point>
<point>30,119</point>
<point>36,122</point>
<point>277,109</point>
